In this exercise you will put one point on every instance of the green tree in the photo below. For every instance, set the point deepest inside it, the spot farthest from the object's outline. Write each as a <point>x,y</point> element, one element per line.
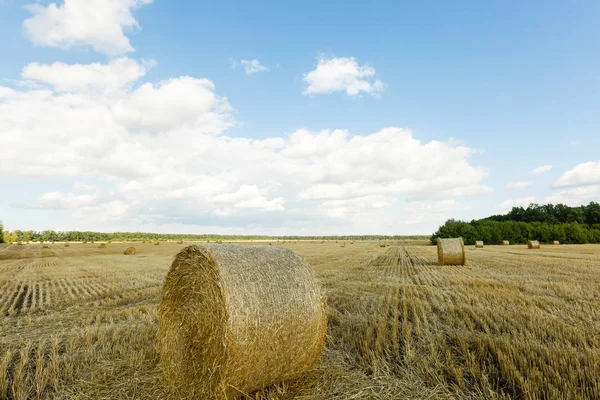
<point>1,232</point>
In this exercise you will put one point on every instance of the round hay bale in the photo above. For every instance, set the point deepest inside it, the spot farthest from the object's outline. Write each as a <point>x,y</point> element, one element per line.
<point>102,245</point>
<point>556,242</point>
<point>180,242</point>
<point>45,246</point>
<point>234,318</point>
<point>451,251</point>
<point>130,251</point>
<point>67,245</point>
<point>505,243</point>
<point>157,243</point>
<point>479,244</point>
<point>19,243</point>
<point>533,244</point>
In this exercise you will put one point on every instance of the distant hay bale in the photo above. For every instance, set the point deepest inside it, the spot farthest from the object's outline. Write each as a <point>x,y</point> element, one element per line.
<point>156,243</point>
<point>556,242</point>
<point>130,251</point>
<point>109,241</point>
<point>236,318</point>
<point>533,244</point>
<point>20,243</point>
<point>451,251</point>
<point>45,246</point>
<point>382,245</point>
<point>85,241</point>
<point>180,242</point>
<point>505,243</point>
<point>479,244</point>
<point>67,245</point>
<point>102,245</point>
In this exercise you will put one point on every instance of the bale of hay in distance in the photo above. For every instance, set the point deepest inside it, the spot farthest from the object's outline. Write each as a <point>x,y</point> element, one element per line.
<point>19,243</point>
<point>67,245</point>
<point>451,251</point>
<point>556,242</point>
<point>130,251</point>
<point>45,246</point>
<point>505,243</point>
<point>180,242</point>
<point>102,245</point>
<point>156,243</point>
<point>235,318</point>
<point>533,244</point>
<point>479,244</point>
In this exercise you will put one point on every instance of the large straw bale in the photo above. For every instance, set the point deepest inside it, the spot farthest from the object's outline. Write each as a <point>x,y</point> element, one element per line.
<point>556,242</point>
<point>235,318</point>
<point>130,251</point>
<point>505,243</point>
<point>479,244</point>
<point>451,251</point>
<point>533,244</point>
<point>102,245</point>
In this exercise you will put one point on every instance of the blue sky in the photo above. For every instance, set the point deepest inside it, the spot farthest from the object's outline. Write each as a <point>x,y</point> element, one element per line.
<point>151,122</point>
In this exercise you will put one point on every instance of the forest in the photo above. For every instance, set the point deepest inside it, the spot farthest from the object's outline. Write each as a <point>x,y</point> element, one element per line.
<point>546,223</point>
<point>88,236</point>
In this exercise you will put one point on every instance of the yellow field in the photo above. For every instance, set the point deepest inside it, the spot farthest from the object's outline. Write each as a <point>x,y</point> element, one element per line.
<point>79,322</point>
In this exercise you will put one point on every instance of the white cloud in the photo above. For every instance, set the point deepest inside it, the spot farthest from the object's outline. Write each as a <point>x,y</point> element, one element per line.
<point>587,173</point>
<point>507,205</point>
<point>96,23</point>
<point>518,185</point>
<point>575,196</point>
<point>159,154</point>
<point>118,74</point>
<point>342,75</point>
<point>541,170</point>
<point>174,103</point>
<point>84,187</point>
<point>252,66</point>
<point>59,200</point>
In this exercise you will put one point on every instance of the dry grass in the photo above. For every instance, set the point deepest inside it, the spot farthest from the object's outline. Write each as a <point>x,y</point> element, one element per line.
<point>81,323</point>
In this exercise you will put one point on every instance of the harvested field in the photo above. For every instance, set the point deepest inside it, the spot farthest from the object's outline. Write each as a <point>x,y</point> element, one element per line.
<point>80,322</point>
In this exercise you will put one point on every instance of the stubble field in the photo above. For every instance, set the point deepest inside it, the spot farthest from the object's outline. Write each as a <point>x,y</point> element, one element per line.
<point>79,322</point>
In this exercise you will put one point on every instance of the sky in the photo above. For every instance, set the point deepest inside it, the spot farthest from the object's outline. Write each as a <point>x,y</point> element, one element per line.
<point>303,117</point>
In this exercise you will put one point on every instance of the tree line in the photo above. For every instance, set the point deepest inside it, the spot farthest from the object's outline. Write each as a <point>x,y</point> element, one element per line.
<point>569,225</point>
<point>88,236</point>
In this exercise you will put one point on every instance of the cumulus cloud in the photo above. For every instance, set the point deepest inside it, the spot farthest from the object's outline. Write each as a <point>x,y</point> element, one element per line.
<point>118,74</point>
<point>176,102</point>
<point>541,170</point>
<point>342,75</point>
<point>154,157</point>
<point>96,23</point>
<point>575,196</point>
<point>59,200</point>
<point>251,67</point>
<point>518,185</point>
<point>587,173</point>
